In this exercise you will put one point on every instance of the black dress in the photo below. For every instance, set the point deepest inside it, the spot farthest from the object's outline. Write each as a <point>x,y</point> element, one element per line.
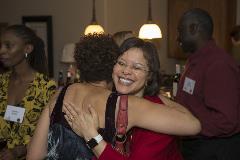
<point>64,144</point>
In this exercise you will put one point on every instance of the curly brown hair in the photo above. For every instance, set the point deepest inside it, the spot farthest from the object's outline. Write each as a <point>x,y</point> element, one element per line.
<point>95,55</point>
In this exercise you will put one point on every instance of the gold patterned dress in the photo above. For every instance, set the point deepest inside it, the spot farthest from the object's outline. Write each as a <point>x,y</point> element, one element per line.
<point>36,97</point>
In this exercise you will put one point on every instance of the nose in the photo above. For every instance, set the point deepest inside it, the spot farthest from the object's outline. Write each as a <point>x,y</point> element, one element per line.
<point>127,70</point>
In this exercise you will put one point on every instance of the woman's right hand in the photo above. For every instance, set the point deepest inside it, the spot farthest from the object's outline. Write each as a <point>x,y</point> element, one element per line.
<point>83,122</point>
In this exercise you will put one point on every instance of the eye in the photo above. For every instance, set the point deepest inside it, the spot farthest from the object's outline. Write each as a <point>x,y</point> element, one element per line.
<point>7,45</point>
<point>135,67</point>
<point>120,63</point>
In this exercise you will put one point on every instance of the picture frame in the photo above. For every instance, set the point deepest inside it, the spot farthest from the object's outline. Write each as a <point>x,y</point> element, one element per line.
<point>42,25</point>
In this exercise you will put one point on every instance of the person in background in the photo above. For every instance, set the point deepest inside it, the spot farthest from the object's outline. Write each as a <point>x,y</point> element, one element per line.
<point>210,89</point>
<point>24,90</point>
<point>235,39</point>
<point>97,54</point>
<point>120,36</point>
<point>136,72</point>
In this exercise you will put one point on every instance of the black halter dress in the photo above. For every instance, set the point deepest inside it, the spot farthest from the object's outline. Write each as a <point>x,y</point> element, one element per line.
<point>64,144</point>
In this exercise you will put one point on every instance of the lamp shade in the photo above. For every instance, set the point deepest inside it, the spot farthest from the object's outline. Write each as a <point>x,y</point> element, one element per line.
<point>150,31</point>
<point>68,53</point>
<point>93,28</point>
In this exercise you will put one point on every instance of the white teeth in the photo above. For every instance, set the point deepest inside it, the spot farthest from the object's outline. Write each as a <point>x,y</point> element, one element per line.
<point>125,81</point>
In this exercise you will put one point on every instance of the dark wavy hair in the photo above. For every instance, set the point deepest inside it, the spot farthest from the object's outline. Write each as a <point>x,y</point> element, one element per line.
<point>37,58</point>
<point>151,55</point>
<point>95,56</point>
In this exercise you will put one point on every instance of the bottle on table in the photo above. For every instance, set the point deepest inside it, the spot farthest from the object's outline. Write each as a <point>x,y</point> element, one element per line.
<point>77,77</point>
<point>69,78</point>
<point>176,79</point>
<point>60,80</point>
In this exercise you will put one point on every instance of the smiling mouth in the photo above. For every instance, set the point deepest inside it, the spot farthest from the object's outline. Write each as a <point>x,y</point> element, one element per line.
<point>125,81</point>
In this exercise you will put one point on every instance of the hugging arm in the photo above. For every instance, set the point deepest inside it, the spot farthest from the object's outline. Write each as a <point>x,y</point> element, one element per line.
<point>174,119</point>
<point>84,123</point>
<point>37,148</point>
<point>170,118</point>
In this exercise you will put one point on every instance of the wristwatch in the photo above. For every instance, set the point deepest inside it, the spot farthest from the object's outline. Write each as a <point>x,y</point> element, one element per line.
<point>93,142</point>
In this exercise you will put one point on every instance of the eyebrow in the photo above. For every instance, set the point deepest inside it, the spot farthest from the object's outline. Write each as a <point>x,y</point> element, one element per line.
<point>138,63</point>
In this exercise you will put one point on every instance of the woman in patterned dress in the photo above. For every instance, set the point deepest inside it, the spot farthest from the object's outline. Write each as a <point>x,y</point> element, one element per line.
<point>24,90</point>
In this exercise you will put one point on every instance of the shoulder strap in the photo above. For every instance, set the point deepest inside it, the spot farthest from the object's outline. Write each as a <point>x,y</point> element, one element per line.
<point>110,130</point>
<point>122,122</point>
<point>122,117</point>
<point>57,113</point>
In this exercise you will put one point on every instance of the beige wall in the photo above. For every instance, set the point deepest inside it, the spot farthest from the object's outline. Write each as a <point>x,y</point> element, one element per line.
<point>238,12</point>
<point>71,17</point>
<point>132,14</point>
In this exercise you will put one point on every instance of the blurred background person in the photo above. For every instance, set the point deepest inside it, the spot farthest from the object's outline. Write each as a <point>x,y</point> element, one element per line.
<point>24,90</point>
<point>235,39</point>
<point>209,87</point>
<point>121,36</point>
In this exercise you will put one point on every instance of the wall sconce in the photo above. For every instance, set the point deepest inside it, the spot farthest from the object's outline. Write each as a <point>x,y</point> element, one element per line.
<point>150,30</point>
<point>94,27</point>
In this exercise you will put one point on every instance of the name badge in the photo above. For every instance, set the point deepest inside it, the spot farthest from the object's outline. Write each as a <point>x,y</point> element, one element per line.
<point>189,85</point>
<point>14,114</point>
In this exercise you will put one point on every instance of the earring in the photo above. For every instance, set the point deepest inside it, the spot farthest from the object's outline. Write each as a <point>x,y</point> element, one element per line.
<point>26,55</point>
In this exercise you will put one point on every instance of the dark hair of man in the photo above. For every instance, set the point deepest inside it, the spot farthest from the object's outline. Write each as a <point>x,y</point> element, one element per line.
<point>95,56</point>
<point>235,33</point>
<point>203,19</point>
<point>151,55</point>
<point>37,58</point>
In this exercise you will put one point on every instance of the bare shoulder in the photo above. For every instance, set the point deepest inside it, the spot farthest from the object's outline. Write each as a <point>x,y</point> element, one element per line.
<point>69,95</point>
<point>97,96</point>
<point>79,92</point>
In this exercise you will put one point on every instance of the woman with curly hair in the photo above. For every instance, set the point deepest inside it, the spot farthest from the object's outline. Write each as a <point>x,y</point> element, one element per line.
<point>95,57</point>
<point>25,88</point>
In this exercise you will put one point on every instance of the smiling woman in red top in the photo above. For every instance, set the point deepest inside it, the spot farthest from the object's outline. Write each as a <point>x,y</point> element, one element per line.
<point>136,72</point>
